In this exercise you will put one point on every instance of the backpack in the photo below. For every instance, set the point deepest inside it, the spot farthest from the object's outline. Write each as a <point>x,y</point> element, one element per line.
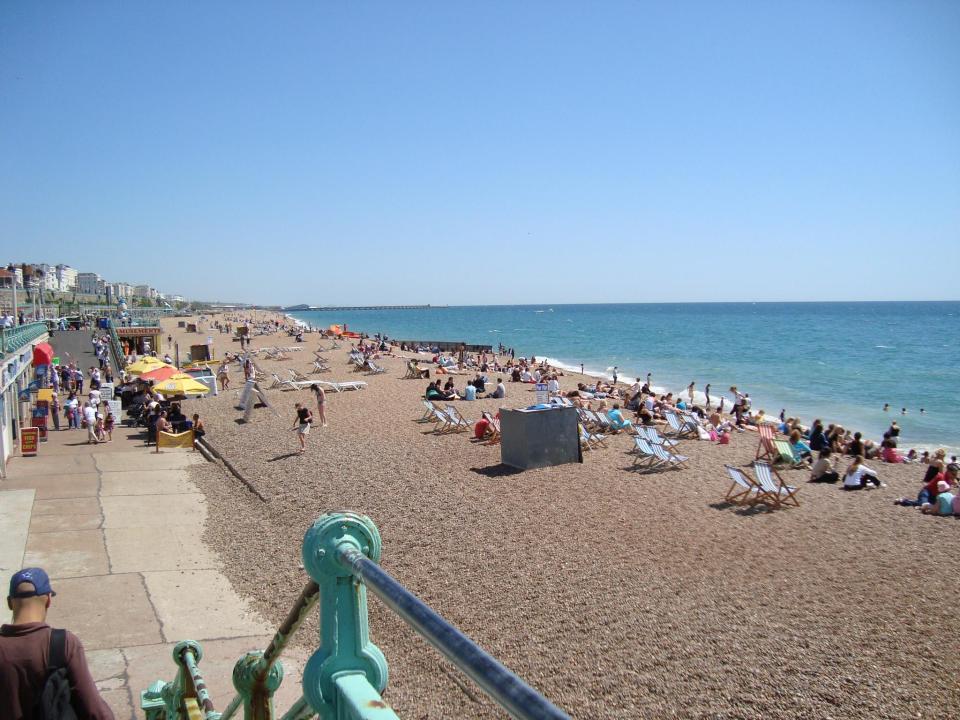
<point>54,700</point>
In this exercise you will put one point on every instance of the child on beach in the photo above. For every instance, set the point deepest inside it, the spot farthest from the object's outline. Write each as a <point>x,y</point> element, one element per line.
<point>108,425</point>
<point>302,424</point>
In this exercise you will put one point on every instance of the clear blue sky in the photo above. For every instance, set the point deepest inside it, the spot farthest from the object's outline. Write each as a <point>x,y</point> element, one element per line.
<point>494,152</point>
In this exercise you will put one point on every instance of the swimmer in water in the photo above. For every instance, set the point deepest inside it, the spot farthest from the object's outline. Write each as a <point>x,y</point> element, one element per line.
<point>903,411</point>
<point>886,406</point>
<point>922,411</point>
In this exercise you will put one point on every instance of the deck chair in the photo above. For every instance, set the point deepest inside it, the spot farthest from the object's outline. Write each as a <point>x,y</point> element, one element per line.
<point>494,428</point>
<point>445,421</point>
<point>460,423</point>
<point>645,459</point>
<point>785,454</point>
<point>320,366</point>
<point>591,440</point>
<point>413,373</point>
<point>279,382</point>
<point>668,458</point>
<point>773,490</point>
<point>374,369</point>
<point>428,415</point>
<point>678,428</point>
<point>744,490</point>
<point>654,437</point>
<point>297,376</point>
<point>766,450</point>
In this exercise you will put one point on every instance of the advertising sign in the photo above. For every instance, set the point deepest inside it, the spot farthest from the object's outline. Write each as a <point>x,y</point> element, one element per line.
<point>29,440</point>
<point>543,396</point>
<point>106,391</point>
<point>115,410</point>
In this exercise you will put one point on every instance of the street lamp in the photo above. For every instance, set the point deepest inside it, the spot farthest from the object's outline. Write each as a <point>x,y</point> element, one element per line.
<point>13,285</point>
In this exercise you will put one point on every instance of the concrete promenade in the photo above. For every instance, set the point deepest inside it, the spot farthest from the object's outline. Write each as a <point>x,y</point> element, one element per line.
<point>119,529</point>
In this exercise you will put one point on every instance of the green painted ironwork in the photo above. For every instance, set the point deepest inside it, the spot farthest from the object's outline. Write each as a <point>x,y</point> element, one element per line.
<point>344,678</point>
<point>14,338</point>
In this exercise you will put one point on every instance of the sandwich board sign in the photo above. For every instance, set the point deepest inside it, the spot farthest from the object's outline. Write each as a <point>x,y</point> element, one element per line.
<point>29,440</point>
<point>106,391</point>
<point>543,396</point>
<point>115,409</point>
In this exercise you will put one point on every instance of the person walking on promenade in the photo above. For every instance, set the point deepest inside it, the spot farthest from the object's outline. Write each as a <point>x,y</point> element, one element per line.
<point>302,425</point>
<point>30,649</point>
<point>321,404</point>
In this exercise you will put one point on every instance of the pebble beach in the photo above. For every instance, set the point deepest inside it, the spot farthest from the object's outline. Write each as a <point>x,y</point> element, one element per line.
<point>616,594</point>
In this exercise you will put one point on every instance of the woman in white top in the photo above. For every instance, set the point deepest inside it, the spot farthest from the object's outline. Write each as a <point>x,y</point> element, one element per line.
<point>858,475</point>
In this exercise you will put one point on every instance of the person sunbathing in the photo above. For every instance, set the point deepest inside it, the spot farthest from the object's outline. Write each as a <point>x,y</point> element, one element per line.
<point>800,449</point>
<point>617,421</point>
<point>823,470</point>
<point>943,503</point>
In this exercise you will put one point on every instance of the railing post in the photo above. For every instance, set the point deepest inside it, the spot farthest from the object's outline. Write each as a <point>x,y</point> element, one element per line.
<point>256,683</point>
<point>345,647</point>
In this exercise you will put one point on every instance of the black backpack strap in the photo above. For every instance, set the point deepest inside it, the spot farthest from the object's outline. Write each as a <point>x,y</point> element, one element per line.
<point>58,650</point>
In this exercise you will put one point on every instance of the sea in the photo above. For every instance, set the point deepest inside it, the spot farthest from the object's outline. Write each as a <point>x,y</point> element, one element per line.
<point>838,361</point>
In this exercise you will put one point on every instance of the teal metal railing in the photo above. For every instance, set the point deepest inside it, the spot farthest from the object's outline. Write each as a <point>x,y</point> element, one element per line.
<point>13,339</point>
<point>344,678</point>
<point>116,347</point>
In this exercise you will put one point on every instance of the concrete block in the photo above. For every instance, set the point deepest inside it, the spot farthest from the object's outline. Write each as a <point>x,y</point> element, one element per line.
<point>199,605</point>
<point>67,506</point>
<point>146,482</point>
<point>71,553</point>
<point>178,547</point>
<point>15,509</point>
<point>139,511</point>
<point>146,460</point>
<point>56,523</point>
<point>106,611</point>
<point>58,486</point>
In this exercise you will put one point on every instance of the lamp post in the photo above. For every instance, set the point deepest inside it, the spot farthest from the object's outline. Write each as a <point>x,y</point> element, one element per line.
<point>13,286</point>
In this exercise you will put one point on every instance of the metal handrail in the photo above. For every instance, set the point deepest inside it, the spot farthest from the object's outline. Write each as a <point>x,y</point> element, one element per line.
<point>496,680</point>
<point>14,338</point>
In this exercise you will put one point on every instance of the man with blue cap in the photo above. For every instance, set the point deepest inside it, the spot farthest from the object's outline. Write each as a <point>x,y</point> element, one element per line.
<point>27,646</point>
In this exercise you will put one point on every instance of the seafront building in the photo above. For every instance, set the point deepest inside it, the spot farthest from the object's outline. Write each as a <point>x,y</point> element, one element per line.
<point>17,345</point>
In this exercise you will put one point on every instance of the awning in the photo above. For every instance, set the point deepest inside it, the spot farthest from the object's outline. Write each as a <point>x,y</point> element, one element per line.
<point>42,354</point>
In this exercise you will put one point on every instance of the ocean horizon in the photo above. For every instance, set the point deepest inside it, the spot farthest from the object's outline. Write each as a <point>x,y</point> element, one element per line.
<point>838,361</point>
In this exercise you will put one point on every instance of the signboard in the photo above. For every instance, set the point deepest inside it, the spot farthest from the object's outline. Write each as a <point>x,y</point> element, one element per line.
<point>29,440</point>
<point>115,410</point>
<point>106,391</point>
<point>543,397</point>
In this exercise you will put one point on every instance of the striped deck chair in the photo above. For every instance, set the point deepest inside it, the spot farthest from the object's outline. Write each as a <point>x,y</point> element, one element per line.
<point>766,450</point>
<point>785,454</point>
<point>591,440</point>
<point>744,490</point>
<point>297,376</point>
<point>598,419</point>
<point>444,422</point>
<point>654,437</point>
<point>645,459</point>
<point>679,428</point>
<point>459,422</point>
<point>320,366</point>
<point>668,458</point>
<point>428,415</point>
<point>773,490</point>
<point>494,427</point>
<point>374,369</point>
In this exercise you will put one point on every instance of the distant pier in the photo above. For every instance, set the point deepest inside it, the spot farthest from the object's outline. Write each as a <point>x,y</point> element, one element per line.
<point>332,308</point>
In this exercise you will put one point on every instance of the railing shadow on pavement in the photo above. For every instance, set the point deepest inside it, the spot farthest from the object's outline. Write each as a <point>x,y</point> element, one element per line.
<point>345,676</point>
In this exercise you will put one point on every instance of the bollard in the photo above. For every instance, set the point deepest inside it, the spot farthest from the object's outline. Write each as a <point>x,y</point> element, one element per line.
<point>256,680</point>
<point>345,647</point>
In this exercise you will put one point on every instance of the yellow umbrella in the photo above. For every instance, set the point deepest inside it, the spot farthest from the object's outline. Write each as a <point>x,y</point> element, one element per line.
<point>181,384</point>
<point>145,364</point>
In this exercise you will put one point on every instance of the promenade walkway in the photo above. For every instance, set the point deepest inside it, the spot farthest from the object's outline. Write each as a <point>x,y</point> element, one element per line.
<point>119,529</point>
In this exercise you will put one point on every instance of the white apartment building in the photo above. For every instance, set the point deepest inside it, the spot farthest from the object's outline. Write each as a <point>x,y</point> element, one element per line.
<point>144,291</point>
<point>66,278</point>
<point>90,284</point>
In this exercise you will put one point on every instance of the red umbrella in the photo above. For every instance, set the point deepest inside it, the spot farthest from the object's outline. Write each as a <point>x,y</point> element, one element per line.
<point>160,374</point>
<point>42,354</point>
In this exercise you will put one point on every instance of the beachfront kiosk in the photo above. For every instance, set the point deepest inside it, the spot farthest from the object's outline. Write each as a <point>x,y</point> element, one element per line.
<point>539,436</point>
